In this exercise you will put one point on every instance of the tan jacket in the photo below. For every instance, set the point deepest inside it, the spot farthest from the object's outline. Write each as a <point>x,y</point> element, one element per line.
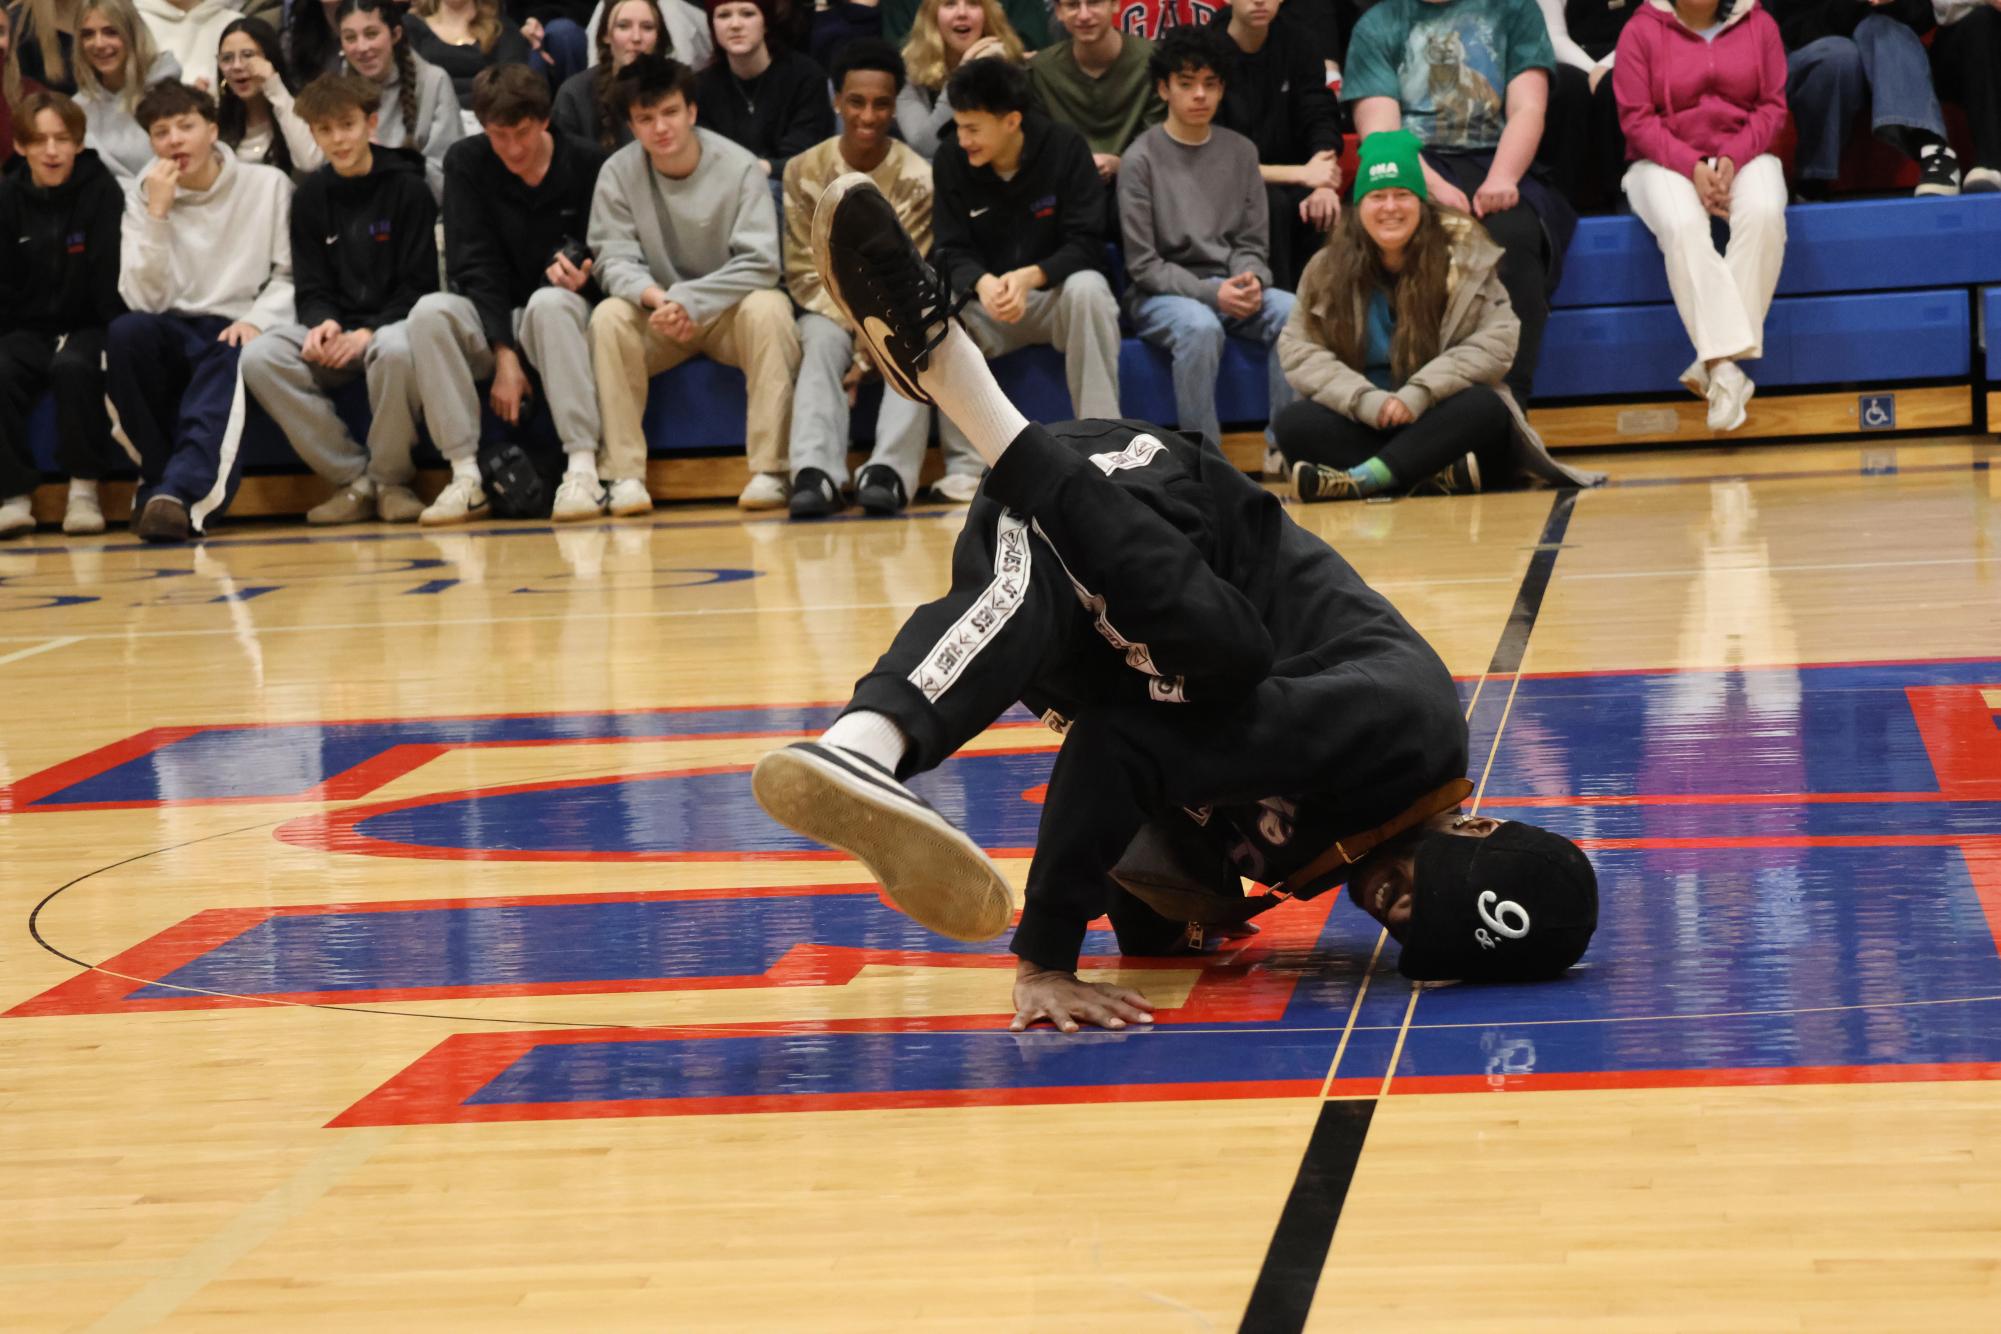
<point>903,177</point>
<point>1477,340</point>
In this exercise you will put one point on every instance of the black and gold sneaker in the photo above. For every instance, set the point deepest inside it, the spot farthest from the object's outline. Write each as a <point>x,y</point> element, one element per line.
<point>897,303</point>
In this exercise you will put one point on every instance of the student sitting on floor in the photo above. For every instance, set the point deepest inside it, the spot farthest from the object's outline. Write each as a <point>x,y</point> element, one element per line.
<point>59,227</point>
<point>1400,381</point>
<point>364,250</point>
<point>206,266</point>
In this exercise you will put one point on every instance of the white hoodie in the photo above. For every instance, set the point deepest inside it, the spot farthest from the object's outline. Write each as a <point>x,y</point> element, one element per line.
<point>224,251</point>
<point>191,34</point>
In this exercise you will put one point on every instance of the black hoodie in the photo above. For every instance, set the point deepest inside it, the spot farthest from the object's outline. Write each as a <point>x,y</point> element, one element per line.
<point>364,248</point>
<point>59,249</point>
<point>1277,97</point>
<point>1052,214</point>
<point>501,232</point>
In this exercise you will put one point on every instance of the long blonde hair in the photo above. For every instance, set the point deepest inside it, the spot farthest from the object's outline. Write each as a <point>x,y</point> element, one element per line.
<point>46,15</point>
<point>485,20</point>
<point>10,70</point>
<point>924,54</point>
<point>140,53</point>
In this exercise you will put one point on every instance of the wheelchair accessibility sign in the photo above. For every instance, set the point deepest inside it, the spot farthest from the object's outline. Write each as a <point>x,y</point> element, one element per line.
<point>1877,412</point>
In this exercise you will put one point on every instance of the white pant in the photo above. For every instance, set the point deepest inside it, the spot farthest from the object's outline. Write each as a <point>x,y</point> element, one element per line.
<point>1722,298</point>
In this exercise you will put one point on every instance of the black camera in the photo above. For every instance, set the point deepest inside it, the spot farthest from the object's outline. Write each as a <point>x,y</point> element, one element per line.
<point>573,250</point>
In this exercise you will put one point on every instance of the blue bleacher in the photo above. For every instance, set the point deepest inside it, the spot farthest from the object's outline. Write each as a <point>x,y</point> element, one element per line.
<point>1990,325</point>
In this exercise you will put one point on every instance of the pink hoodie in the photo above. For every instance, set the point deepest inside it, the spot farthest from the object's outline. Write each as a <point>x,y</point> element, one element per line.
<point>1682,99</point>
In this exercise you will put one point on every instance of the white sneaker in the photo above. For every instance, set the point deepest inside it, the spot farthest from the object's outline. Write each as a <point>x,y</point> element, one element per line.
<point>84,516</point>
<point>1696,378</point>
<point>1275,469</point>
<point>765,491</point>
<point>1730,393</point>
<point>17,516</point>
<point>629,498</point>
<point>579,497</point>
<point>957,487</point>
<point>462,500</point>
<point>1980,181</point>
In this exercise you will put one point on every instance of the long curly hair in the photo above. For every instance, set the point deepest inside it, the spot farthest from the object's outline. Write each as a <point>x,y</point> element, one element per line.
<point>140,52</point>
<point>605,111</point>
<point>391,13</point>
<point>924,54</point>
<point>232,115</point>
<point>1416,295</point>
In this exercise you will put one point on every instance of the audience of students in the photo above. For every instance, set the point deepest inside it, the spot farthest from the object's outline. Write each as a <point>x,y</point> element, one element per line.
<point>867,76</point>
<point>420,109</point>
<point>463,37</point>
<point>687,254</point>
<point>1192,207</point>
<point>254,103</point>
<point>1097,80</point>
<point>1018,220</point>
<point>364,250</point>
<point>59,236</point>
<point>116,64</point>
<point>1702,98</point>
<point>759,93</point>
<point>583,105</point>
<point>205,267</point>
<point>945,35</point>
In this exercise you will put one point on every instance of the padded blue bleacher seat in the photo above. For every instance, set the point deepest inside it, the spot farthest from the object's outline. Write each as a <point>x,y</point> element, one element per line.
<point>1990,323</point>
<point>1868,245</point>
<point>1033,378</point>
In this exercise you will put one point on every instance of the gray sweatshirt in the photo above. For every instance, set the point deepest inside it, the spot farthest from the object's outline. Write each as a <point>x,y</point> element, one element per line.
<point>1192,214</point>
<point>110,129</point>
<point>439,124</point>
<point>710,240</point>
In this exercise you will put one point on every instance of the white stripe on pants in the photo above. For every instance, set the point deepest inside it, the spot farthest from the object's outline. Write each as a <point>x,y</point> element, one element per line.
<point>1722,298</point>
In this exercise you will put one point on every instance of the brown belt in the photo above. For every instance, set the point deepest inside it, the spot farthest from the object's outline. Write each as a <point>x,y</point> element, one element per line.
<point>1348,851</point>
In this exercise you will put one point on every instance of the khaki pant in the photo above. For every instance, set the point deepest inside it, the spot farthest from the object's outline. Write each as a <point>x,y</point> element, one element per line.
<point>756,335</point>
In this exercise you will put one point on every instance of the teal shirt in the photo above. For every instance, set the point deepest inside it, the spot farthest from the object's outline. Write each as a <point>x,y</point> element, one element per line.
<point>1378,334</point>
<point>1448,64</point>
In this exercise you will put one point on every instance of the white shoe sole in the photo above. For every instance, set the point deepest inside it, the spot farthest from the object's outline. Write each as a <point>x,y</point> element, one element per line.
<point>929,869</point>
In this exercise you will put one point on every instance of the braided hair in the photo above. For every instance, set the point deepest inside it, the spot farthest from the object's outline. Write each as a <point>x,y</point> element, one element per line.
<point>391,13</point>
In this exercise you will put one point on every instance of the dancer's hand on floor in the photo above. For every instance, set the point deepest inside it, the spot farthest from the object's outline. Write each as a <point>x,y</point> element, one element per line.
<point>1066,1001</point>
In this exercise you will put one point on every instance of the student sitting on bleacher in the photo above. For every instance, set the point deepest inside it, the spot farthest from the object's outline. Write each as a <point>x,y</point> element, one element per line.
<point>1277,98</point>
<point>59,227</point>
<point>517,208</point>
<point>1471,79</point>
<point>419,108</point>
<point>1582,143</point>
<point>1192,207</point>
<point>1847,55</point>
<point>584,107</point>
<point>463,37</point>
<point>116,63</point>
<point>946,35</point>
<point>206,265</point>
<point>1966,65</point>
<point>364,250</point>
<point>254,105</point>
<point>758,92</point>
<point>1401,381</point>
<point>1029,19</point>
<point>687,248</point>
<point>1702,97</point>
<point>1019,222</point>
<point>868,74</point>
<point>1098,81</point>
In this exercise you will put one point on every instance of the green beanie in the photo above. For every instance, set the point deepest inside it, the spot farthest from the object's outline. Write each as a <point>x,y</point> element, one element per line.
<point>1390,159</point>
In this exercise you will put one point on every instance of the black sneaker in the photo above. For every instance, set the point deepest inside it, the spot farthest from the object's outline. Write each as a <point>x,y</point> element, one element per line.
<point>1316,482</point>
<point>814,495</point>
<point>165,519</point>
<point>1460,478</point>
<point>893,298</point>
<point>879,491</point>
<point>1938,171</point>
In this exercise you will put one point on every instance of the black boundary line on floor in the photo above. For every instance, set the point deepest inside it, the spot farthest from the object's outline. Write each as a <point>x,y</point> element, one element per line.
<point>1290,1276</point>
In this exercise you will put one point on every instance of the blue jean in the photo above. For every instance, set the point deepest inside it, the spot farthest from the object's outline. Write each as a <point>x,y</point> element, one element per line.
<point>566,49</point>
<point>1884,67</point>
<point>1192,334</point>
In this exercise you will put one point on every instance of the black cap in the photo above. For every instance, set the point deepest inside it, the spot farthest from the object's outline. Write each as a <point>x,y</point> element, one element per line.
<point>1516,906</point>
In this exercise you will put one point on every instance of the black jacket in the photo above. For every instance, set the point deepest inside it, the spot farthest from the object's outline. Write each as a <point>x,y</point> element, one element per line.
<point>364,248</point>
<point>1278,98</point>
<point>1804,21</point>
<point>463,63</point>
<point>59,250</point>
<point>501,233</point>
<point>783,111</point>
<point>1052,213</point>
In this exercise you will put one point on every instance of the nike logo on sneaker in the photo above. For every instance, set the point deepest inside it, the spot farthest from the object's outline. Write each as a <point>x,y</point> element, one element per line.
<point>878,334</point>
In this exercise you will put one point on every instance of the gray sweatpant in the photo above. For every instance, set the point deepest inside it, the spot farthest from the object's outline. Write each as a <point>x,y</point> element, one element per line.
<point>1081,319</point>
<point>297,394</point>
<point>449,351</point>
<point>820,413</point>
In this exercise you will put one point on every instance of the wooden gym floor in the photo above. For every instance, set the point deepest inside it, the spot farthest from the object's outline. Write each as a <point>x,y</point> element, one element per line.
<point>387,939</point>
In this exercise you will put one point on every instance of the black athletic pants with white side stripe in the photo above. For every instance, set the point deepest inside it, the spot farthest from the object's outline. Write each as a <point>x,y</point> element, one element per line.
<point>1081,584</point>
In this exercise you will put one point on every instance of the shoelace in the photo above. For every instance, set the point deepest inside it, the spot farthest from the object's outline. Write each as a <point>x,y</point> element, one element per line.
<point>922,301</point>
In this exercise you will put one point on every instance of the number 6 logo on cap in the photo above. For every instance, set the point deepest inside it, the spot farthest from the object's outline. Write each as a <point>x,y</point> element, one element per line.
<point>1506,917</point>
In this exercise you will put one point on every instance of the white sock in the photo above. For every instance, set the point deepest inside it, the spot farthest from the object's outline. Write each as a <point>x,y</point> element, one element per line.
<point>583,463</point>
<point>963,386</point>
<point>873,736</point>
<point>466,469</point>
<point>82,488</point>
